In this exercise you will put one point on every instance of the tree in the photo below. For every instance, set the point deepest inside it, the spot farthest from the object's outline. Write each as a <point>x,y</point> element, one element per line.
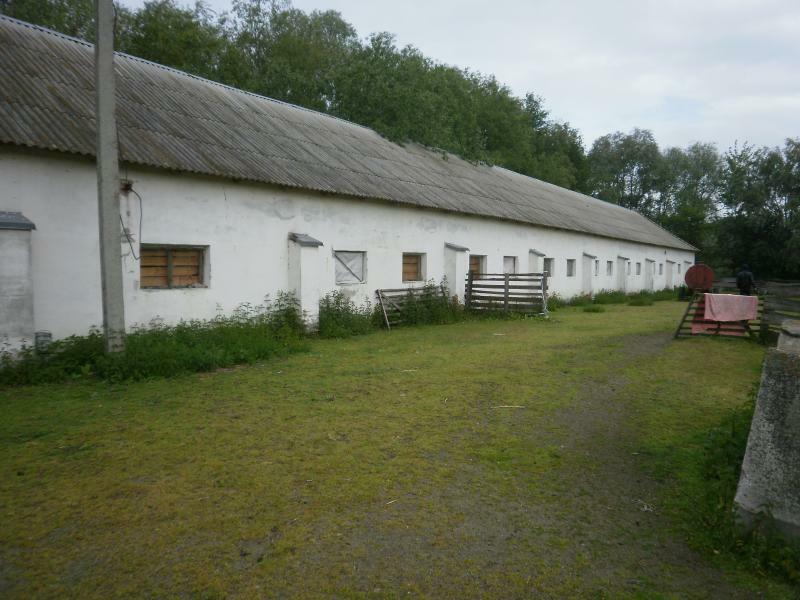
<point>624,169</point>
<point>759,195</point>
<point>183,38</point>
<point>71,17</point>
<point>688,193</point>
<point>288,54</point>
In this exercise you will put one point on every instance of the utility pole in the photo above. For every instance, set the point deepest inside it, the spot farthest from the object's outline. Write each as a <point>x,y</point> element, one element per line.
<point>108,179</point>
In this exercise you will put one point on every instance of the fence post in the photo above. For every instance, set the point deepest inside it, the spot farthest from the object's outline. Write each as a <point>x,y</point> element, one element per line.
<point>505,296</point>
<point>544,292</point>
<point>468,294</point>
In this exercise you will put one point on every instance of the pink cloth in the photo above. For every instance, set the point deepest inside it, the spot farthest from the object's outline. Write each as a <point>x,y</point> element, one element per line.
<point>729,307</point>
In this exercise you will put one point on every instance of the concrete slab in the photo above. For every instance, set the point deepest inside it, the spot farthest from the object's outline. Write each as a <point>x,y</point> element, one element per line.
<point>770,479</point>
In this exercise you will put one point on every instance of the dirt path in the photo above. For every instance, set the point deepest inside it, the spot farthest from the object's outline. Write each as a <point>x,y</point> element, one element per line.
<point>593,531</point>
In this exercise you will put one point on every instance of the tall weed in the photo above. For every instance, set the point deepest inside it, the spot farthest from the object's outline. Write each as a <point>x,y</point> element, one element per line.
<point>340,317</point>
<point>251,333</point>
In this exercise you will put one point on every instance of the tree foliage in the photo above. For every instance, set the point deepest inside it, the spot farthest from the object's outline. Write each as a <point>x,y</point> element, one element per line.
<point>742,206</point>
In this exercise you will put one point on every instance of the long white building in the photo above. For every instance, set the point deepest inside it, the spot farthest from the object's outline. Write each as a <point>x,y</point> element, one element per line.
<point>229,197</point>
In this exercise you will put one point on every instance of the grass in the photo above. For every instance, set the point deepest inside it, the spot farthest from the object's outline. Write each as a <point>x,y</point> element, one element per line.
<point>386,464</point>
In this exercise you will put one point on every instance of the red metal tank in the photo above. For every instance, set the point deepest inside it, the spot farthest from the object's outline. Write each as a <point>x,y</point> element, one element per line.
<point>699,277</point>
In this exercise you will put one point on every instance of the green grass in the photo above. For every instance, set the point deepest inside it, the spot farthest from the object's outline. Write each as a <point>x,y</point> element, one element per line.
<point>594,308</point>
<point>478,459</point>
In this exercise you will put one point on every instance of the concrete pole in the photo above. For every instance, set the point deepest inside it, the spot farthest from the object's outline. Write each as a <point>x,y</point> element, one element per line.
<point>108,180</point>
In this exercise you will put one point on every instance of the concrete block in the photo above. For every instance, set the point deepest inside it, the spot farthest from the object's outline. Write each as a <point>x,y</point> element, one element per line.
<point>770,479</point>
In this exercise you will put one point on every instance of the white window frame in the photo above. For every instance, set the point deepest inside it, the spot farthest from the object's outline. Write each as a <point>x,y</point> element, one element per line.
<point>339,262</point>
<point>551,263</point>
<point>609,268</point>
<point>571,267</point>
<point>638,268</point>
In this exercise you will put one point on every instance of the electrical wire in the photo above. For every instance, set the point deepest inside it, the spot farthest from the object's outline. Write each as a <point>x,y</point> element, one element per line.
<point>141,218</point>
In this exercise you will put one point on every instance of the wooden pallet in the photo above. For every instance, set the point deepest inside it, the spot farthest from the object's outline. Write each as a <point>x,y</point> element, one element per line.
<point>393,301</point>
<point>695,315</point>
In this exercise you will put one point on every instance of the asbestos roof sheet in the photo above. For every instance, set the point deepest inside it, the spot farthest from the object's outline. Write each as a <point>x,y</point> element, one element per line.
<point>173,120</point>
<point>15,220</point>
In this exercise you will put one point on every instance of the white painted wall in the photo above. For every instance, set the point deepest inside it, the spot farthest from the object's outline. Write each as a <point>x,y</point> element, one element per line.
<point>16,289</point>
<point>246,227</point>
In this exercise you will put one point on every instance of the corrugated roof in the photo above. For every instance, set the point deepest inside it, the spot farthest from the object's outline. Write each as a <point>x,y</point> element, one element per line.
<point>172,120</point>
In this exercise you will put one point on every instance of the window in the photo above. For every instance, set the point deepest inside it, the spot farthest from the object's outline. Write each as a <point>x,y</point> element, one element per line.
<point>164,267</point>
<point>509,264</point>
<point>350,267</point>
<point>413,267</point>
<point>609,267</point>
<point>596,267</point>
<point>549,266</point>
<point>638,268</point>
<point>570,267</point>
<point>660,268</point>
<point>629,267</point>
<point>477,264</point>
<point>679,269</point>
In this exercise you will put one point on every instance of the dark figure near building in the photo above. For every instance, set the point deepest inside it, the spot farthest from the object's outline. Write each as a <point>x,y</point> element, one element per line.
<point>745,281</point>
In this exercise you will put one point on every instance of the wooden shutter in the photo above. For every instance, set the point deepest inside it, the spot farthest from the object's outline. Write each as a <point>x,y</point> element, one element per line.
<point>153,268</point>
<point>165,267</point>
<point>475,264</point>
<point>412,267</point>
<point>187,266</point>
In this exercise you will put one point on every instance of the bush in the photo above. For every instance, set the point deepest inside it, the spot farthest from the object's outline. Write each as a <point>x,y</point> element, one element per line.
<point>641,300</point>
<point>610,297</point>
<point>594,308</point>
<point>554,302</point>
<point>340,317</point>
<point>581,300</point>
<point>251,333</point>
<point>431,307</point>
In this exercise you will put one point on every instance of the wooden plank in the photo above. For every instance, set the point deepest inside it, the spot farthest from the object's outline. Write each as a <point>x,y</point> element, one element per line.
<point>153,261</point>
<point>501,298</point>
<point>153,282</point>
<point>501,278</point>
<point>383,308</point>
<point>184,280</point>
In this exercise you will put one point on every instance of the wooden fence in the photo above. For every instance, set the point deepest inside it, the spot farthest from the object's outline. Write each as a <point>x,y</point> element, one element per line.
<point>519,292</point>
<point>393,301</point>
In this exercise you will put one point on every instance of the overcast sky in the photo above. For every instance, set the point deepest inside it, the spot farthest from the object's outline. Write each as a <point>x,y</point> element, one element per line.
<point>689,70</point>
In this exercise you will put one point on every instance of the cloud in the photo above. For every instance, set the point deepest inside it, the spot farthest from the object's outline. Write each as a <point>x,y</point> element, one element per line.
<point>690,70</point>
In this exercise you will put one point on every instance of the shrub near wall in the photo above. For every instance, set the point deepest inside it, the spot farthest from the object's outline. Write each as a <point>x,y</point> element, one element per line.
<point>251,333</point>
<point>340,317</point>
<point>643,298</point>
